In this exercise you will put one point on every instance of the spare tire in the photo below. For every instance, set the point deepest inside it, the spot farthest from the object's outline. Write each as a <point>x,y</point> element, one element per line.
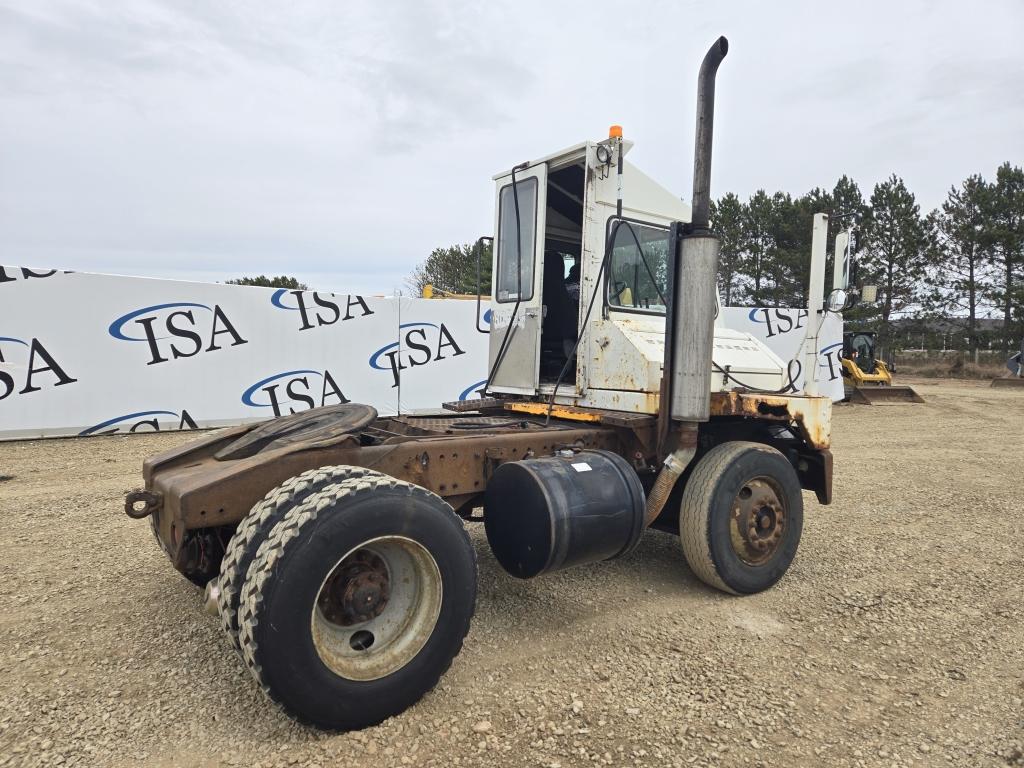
<point>319,426</point>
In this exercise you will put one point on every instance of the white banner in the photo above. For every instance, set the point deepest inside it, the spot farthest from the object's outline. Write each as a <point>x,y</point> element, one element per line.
<point>782,330</point>
<point>96,354</point>
<point>86,354</point>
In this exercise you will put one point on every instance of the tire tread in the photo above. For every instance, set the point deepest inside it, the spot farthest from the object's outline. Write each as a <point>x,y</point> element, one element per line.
<point>694,518</point>
<point>287,530</point>
<point>255,527</point>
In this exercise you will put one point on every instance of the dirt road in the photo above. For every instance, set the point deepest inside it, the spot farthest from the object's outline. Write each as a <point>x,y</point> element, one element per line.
<point>896,638</point>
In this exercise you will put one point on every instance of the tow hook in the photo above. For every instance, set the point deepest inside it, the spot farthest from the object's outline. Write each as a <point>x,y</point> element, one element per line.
<point>150,500</point>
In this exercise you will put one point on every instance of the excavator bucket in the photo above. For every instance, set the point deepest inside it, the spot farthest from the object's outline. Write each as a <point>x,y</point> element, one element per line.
<point>883,395</point>
<point>1015,365</point>
<point>1009,381</point>
<point>868,381</point>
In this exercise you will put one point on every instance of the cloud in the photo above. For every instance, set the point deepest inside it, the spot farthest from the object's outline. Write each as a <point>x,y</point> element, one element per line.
<point>350,139</point>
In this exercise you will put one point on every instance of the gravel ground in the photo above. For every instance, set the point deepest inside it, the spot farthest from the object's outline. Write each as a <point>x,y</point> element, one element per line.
<point>896,638</point>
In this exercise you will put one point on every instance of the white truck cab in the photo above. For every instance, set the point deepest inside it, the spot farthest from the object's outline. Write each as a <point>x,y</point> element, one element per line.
<point>572,247</point>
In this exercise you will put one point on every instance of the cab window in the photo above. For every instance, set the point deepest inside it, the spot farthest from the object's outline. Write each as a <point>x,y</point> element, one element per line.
<point>638,267</point>
<point>517,248</point>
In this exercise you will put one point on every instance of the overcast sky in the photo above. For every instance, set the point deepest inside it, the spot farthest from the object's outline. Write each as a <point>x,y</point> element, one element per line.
<point>341,141</point>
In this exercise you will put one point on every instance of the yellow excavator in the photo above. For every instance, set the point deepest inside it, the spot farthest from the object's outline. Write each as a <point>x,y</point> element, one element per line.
<point>866,379</point>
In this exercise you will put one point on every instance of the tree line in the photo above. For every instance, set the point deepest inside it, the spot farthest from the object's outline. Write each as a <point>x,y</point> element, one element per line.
<point>952,268</point>
<point>453,270</point>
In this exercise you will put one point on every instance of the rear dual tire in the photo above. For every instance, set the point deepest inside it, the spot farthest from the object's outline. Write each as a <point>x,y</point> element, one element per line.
<point>256,526</point>
<point>357,601</point>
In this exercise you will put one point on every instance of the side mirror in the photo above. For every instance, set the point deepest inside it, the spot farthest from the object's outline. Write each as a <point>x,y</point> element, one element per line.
<point>841,299</point>
<point>838,300</point>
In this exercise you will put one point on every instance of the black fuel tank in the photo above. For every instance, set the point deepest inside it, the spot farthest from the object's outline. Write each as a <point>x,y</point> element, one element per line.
<point>551,513</point>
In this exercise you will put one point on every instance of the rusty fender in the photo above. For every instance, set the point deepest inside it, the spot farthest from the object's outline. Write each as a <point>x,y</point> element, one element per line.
<point>812,416</point>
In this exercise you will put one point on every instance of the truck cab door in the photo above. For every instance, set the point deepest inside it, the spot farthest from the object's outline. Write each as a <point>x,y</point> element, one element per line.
<point>517,289</point>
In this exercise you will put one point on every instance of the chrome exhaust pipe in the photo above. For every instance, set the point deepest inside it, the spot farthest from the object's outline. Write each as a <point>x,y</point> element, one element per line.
<point>690,322</point>
<point>701,202</point>
<point>695,292</point>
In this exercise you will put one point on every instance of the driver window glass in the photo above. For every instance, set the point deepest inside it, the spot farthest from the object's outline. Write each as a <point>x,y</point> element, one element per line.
<point>638,268</point>
<point>511,284</point>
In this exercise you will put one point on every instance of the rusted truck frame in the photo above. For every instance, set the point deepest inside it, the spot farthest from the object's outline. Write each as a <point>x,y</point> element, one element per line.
<point>194,501</point>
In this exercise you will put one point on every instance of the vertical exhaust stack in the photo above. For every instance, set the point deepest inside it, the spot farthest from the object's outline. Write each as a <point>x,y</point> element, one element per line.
<point>696,285</point>
<point>690,324</point>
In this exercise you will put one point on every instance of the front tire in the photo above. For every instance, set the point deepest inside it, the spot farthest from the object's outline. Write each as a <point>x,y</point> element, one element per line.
<point>741,517</point>
<point>357,602</point>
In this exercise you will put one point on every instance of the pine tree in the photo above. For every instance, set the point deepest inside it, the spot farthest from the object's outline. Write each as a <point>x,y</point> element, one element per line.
<point>848,211</point>
<point>795,243</point>
<point>1005,235</point>
<point>847,206</point>
<point>262,281</point>
<point>727,218</point>
<point>453,270</point>
<point>758,244</point>
<point>895,250</point>
<point>960,256</point>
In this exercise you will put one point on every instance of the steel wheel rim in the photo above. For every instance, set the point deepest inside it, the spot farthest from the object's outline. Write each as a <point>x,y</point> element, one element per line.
<point>757,521</point>
<point>376,608</point>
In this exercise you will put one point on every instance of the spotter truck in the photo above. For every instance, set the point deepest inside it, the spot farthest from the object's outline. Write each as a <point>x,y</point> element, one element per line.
<point>333,543</point>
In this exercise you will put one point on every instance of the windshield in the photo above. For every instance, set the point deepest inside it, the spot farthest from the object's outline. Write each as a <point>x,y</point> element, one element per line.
<point>638,272</point>
<point>863,346</point>
<point>638,269</point>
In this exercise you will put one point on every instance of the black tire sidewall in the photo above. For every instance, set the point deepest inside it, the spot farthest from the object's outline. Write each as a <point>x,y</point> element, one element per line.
<point>290,665</point>
<point>262,528</point>
<point>738,575</point>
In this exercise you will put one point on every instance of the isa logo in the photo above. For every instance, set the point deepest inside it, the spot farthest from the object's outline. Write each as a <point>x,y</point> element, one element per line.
<point>143,421</point>
<point>778,322</point>
<point>10,274</point>
<point>26,366</point>
<point>830,359</point>
<point>293,391</point>
<point>419,344</point>
<point>317,310</point>
<point>178,329</point>
<point>473,391</point>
